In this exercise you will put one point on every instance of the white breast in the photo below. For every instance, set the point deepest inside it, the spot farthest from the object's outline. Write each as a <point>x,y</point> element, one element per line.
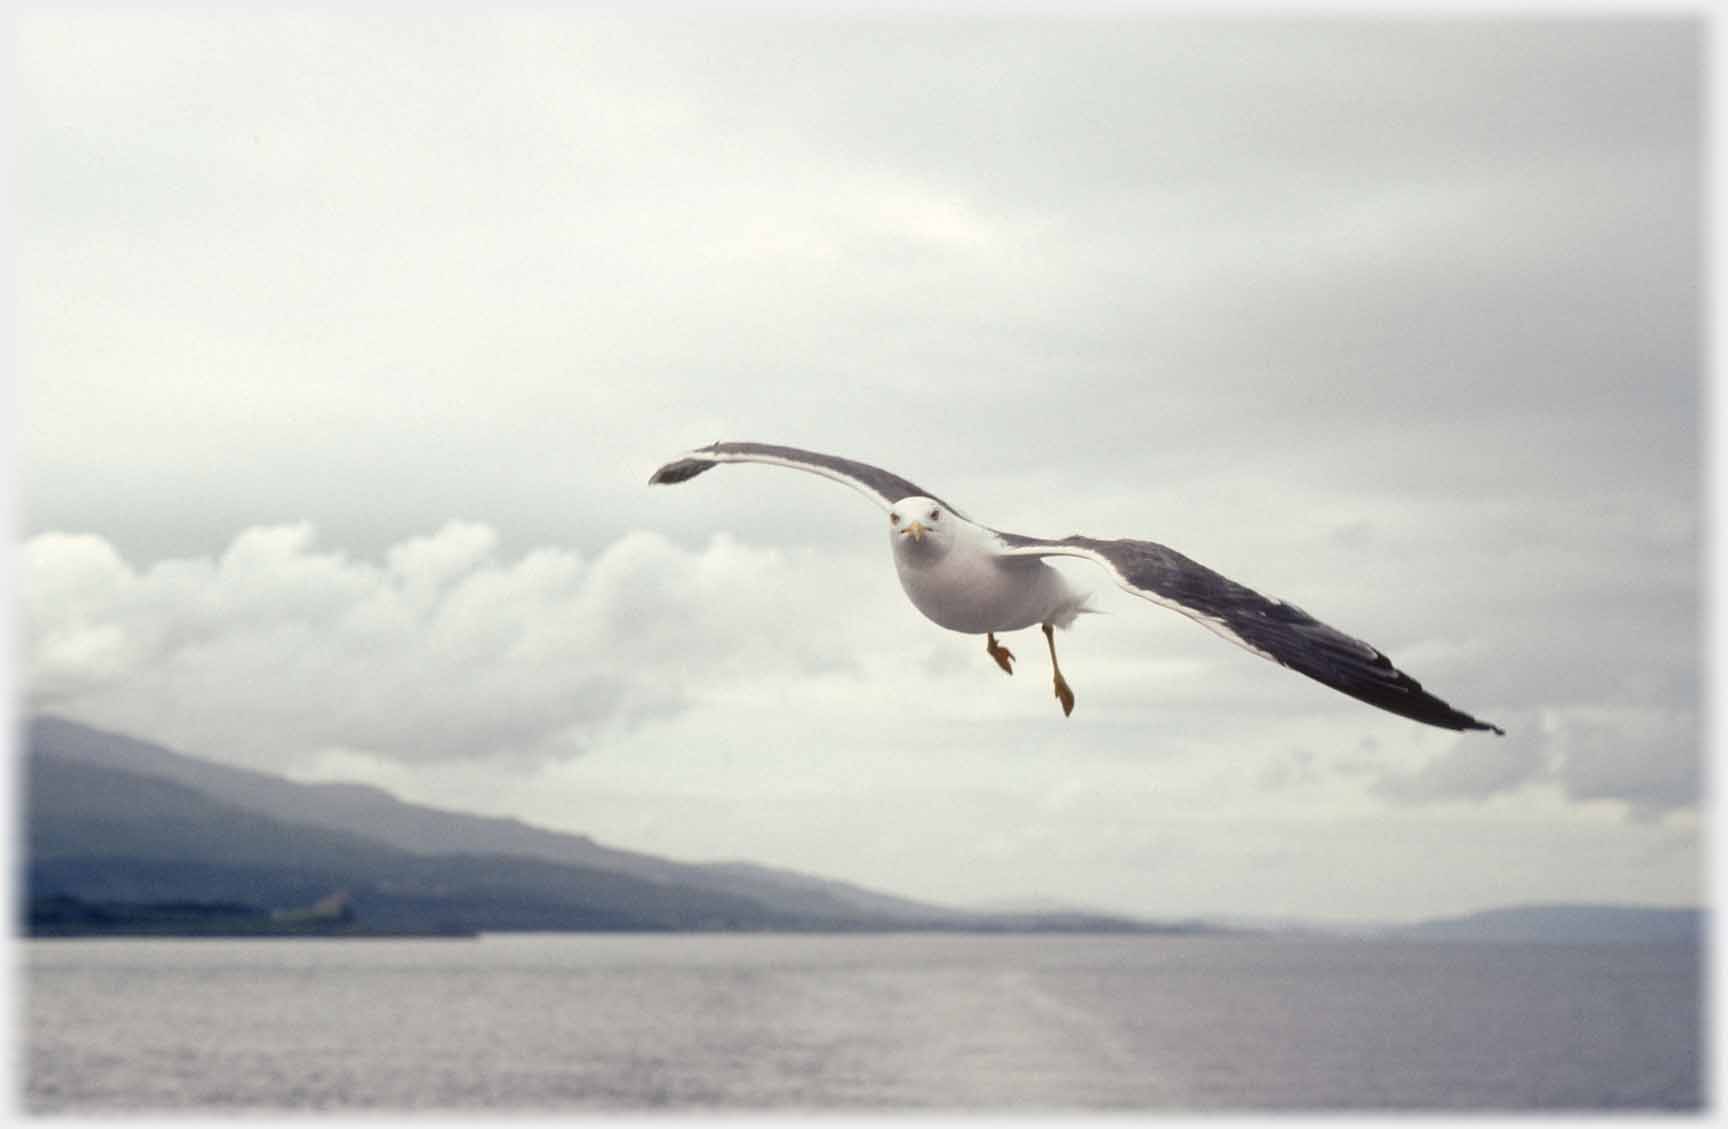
<point>972,590</point>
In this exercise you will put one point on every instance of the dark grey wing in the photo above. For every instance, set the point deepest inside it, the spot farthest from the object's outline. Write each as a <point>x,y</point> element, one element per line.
<point>878,484</point>
<point>1270,628</point>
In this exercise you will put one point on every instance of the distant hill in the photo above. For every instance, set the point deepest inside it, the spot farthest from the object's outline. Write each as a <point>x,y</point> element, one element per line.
<point>350,810</point>
<point>99,833</point>
<point>114,827</point>
<point>115,820</point>
<point>1582,924</point>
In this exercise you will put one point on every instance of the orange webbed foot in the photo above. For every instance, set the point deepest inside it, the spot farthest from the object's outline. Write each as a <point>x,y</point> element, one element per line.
<point>1064,695</point>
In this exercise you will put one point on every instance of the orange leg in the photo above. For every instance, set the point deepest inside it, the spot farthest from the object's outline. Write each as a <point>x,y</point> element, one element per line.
<point>1063,693</point>
<point>997,651</point>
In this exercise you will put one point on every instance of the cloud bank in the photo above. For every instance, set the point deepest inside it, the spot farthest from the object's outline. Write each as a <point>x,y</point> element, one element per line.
<point>444,649</point>
<point>448,649</point>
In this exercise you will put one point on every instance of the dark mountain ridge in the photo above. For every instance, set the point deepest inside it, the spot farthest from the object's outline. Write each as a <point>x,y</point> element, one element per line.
<point>101,833</point>
<point>116,819</point>
<point>379,817</point>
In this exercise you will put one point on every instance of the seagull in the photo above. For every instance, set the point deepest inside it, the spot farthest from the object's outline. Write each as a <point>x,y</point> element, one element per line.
<point>970,578</point>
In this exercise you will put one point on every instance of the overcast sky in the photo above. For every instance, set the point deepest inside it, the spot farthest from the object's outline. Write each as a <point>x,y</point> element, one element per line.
<point>349,344</point>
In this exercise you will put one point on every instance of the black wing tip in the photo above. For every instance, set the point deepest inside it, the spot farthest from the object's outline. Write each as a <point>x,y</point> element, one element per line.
<point>1419,706</point>
<point>1448,717</point>
<point>1452,717</point>
<point>679,470</point>
<point>1467,724</point>
<point>1406,698</point>
<point>1436,713</point>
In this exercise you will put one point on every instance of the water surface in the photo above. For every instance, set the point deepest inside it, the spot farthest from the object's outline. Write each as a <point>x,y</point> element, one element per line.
<point>800,1022</point>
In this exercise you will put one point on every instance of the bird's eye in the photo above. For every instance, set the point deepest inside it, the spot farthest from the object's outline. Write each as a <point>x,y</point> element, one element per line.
<point>934,514</point>
<point>893,519</point>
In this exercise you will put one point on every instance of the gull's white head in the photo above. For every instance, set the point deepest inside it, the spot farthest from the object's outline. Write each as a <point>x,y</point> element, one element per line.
<point>922,526</point>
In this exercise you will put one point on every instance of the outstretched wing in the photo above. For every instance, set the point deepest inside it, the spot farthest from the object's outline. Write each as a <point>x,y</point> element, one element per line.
<point>1270,628</point>
<point>879,485</point>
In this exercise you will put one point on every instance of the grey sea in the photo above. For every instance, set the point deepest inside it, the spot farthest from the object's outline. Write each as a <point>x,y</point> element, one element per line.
<point>631,1022</point>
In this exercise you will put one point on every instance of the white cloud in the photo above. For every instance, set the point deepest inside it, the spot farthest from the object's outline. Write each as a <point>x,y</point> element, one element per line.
<point>1647,760</point>
<point>277,648</point>
<point>444,650</point>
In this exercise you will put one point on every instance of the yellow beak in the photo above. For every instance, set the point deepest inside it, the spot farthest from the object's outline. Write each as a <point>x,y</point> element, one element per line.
<point>914,530</point>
